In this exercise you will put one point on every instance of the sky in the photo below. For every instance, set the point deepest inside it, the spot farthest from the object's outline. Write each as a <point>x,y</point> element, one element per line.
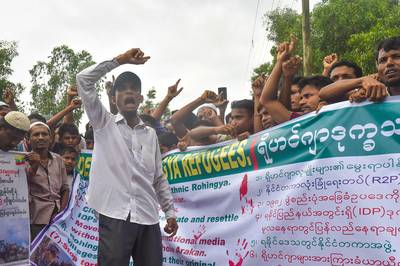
<point>207,44</point>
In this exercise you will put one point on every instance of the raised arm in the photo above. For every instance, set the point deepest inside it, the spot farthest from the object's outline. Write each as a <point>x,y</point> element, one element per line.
<point>257,87</point>
<point>172,93</point>
<point>71,94</point>
<point>289,69</point>
<point>86,80</point>
<point>268,99</point>
<point>203,132</point>
<point>178,118</point>
<point>75,103</point>
<point>9,98</point>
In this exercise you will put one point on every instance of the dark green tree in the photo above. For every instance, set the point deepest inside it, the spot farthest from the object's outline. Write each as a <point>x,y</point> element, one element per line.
<point>351,29</point>
<point>51,78</point>
<point>149,105</point>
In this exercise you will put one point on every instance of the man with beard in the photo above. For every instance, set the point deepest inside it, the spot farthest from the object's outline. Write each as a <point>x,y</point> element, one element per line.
<point>126,179</point>
<point>47,179</point>
<point>207,112</point>
<point>13,128</point>
<point>388,64</point>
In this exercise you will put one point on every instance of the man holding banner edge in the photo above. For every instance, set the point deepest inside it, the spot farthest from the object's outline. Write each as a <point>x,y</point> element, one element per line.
<point>128,180</point>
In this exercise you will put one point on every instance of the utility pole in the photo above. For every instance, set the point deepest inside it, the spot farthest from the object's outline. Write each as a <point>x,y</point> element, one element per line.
<point>306,37</point>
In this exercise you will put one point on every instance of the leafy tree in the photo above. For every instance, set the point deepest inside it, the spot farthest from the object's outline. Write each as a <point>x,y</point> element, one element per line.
<point>51,78</point>
<point>8,51</point>
<point>351,29</point>
<point>148,106</point>
<point>263,68</point>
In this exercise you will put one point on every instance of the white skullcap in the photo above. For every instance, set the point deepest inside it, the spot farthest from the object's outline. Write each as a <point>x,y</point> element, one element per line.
<point>209,105</point>
<point>38,123</point>
<point>18,120</point>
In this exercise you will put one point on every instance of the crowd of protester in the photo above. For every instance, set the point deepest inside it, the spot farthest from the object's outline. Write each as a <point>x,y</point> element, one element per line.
<point>52,146</point>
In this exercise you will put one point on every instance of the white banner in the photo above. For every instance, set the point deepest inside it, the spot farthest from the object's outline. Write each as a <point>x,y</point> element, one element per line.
<point>14,210</point>
<point>320,190</point>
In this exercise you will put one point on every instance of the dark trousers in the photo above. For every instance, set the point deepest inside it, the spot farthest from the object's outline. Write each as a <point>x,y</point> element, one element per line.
<point>119,240</point>
<point>35,230</point>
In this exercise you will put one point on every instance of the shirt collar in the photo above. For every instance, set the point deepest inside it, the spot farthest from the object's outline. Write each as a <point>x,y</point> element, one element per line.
<point>120,118</point>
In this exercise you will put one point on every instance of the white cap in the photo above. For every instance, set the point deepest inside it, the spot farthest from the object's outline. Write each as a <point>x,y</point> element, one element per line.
<point>209,105</point>
<point>18,120</point>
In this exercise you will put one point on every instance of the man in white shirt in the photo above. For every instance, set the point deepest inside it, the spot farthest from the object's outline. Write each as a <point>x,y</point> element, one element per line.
<point>126,179</point>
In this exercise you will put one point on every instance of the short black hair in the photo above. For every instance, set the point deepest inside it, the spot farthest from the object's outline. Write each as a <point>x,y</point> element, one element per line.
<point>68,128</point>
<point>244,104</point>
<point>124,77</point>
<point>318,81</point>
<point>66,149</point>
<point>357,70</point>
<point>167,139</point>
<point>388,44</point>
<point>37,117</point>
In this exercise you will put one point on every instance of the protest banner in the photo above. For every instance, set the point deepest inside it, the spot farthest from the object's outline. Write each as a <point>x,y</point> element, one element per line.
<point>14,210</point>
<point>319,190</point>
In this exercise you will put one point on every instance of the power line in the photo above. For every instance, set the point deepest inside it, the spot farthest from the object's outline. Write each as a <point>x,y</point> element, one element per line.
<point>252,38</point>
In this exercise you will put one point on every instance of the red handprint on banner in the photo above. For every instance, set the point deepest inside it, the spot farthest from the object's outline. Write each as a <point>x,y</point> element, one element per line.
<point>241,253</point>
<point>248,202</point>
<point>243,188</point>
<point>248,206</point>
<point>200,231</point>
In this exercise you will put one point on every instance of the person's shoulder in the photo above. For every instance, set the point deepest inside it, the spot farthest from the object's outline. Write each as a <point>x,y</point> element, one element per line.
<point>150,131</point>
<point>56,156</point>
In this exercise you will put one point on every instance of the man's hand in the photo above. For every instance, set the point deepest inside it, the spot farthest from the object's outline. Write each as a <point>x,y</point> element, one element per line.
<point>357,95</point>
<point>184,142</point>
<point>171,227</point>
<point>34,160</point>
<point>109,85</point>
<point>221,105</point>
<point>292,66</point>
<point>258,85</point>
<point>285,49</point>
<point>228,129</point>
<point>320,105</point>
<point>329,60</point>
<point>375,90</point>
<point>173,90</point>
<point>210,97</point>
<point>133,56</point>
<point>292,44</point>
<point>72,91</point>
<point>8,96</point>
<point>282,52</point>
<point>75,103</point>
<point>244,135</point>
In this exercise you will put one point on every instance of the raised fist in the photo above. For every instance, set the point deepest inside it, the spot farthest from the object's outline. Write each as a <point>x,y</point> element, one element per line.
<point>133,56</point>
